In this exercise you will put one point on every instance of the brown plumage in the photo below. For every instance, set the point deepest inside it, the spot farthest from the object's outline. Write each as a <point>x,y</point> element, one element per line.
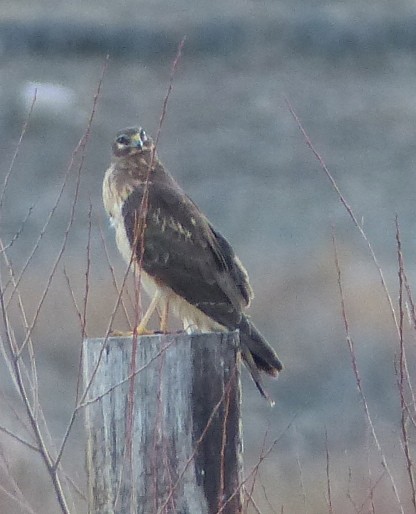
<point>187,265</point>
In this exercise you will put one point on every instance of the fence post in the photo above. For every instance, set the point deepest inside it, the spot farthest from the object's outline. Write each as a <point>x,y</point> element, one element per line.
<point>177,446</point>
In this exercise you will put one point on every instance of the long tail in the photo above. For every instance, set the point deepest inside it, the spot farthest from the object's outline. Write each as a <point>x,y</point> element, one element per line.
<point>258,355</point>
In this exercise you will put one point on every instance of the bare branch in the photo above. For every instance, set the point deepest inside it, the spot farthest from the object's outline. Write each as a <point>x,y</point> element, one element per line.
<point>259,462</point>
<point>19,230</point>
<point>349,210</point>
<point>403,374</point>
<point>13,497</point>
<point>358,381</point>
<point>72,294</point>
<point>16,153</point>
<point>19,439</point>
<point>29,411</point>
<point>83,144</point>
<point>34,375</point>
<point>328,476</point>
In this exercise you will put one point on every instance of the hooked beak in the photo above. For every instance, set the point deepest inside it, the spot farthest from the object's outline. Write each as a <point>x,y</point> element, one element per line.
<point>137,141</point>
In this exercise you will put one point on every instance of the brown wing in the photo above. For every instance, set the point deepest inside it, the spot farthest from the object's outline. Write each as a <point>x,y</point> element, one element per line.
<point>184,252</point>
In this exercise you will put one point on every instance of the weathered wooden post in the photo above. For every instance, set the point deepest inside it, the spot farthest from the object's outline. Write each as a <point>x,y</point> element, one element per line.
<point>170,442</point>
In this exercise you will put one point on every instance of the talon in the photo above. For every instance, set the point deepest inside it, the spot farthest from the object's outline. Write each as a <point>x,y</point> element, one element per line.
<point>140,331</point>
<point>118,333</point>
<point>143,331</point>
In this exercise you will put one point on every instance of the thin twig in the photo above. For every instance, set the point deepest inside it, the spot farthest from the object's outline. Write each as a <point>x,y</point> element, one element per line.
<point>50,215</point>
<point>85,305</point>
<point>266,496</point>
<point>23,424</point>
<point>114,279</point>
<point>19,439</point>
<point>370,477</point>
<point>137,256</point>
<point>349,210</point>
<point>328,476</point>
<point>251,500</point>
<point>19,230</point>
<point>72,294</point>
<point>259,463</point>
<point>358,381</point>
<point>20,497</point>
<point>87,281</point>
<point>26,402</point>
<point>170,86</point>
<point>222,451</point>
<point>13,497</point>
<point>402,372</point>
<point>299,466</point>
<point>34,375</point>
<point>16,153</point>
<point>349,495</point>
<point>370,496</point>
<point>84,140</point>
<point>83,145</point>
<point>253,482</point>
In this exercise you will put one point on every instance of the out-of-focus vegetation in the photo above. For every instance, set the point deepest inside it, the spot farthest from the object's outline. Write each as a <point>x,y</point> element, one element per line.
<point>230,140</point>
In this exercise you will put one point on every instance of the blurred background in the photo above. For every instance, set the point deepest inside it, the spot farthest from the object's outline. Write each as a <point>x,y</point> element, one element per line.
<point>349,71</point>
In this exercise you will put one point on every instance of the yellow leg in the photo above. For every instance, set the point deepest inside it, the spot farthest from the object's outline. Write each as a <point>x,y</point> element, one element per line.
<point>141,328</point>
<point>164,317</point>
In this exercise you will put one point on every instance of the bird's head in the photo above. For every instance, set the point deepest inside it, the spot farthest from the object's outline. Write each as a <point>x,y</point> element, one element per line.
<point>132,141</point>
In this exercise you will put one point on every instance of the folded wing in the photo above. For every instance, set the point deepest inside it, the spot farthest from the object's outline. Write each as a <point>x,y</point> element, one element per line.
<point>183,251</point>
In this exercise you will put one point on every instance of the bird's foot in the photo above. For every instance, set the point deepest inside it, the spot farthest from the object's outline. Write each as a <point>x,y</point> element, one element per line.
<point>140,331</point>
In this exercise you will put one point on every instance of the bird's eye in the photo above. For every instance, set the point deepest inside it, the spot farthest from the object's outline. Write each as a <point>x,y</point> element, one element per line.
<point>123,140</point>
<point>143,135</point>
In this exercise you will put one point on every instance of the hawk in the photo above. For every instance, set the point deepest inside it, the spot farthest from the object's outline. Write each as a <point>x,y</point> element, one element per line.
<point>186,265</point>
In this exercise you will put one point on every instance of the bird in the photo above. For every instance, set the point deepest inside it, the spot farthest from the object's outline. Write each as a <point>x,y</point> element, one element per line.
<point>186,265</point>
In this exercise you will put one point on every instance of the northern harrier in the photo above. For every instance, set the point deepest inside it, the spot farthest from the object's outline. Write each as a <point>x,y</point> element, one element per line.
<point>186,264</point>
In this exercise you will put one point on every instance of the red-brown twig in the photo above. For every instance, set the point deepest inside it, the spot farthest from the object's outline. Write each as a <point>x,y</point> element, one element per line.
<point>82,145</point>
<point>402,371</point>
<point>253,482</point>
<point>19,230</point>
<point>85,305</point>
<point>261,459</point>
<point>350,344</point>
<point>18,376</point>
<point>266,496</point>
<point>89,401</point>
<point>16,153</point>
<point>349,210</point>
<point>34,377</point>
<point>72,294</point>
<point>222,451</point>
<point>138,249</point>
<point>328,475</point>
<point>299,466</point>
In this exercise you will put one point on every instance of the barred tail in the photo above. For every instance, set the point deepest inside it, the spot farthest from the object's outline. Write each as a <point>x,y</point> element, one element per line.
<point>258,355</point>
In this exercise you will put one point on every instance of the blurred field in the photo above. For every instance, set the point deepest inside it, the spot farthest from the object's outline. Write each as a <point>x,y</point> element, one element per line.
<point>230,140</point>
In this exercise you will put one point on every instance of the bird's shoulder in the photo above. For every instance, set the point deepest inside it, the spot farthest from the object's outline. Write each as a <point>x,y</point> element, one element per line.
<point>164,201</point>
<point>173,217</point>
